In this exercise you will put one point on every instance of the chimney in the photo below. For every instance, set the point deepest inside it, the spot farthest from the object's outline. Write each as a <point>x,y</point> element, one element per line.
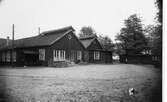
<point>7,41</point>
<point>39,31</point>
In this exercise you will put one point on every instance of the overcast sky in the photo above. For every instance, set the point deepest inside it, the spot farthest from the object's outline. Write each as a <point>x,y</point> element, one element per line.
<point>105,16</point>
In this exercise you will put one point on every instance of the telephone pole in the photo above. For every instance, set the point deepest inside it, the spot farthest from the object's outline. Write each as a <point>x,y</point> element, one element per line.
<point>12,45</point>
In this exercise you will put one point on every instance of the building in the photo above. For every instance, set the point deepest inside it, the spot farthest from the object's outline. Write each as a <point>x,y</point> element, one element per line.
<point>143,57</point>
<point>94,51</point>
<point>47,48</point>
<point>51,48</point>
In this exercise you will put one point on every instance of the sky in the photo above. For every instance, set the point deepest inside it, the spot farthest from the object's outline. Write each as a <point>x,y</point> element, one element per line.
<point>106,17</point>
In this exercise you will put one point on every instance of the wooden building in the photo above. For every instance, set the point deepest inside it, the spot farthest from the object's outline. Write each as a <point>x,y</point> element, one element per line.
<point>51,48</point>
<point>94,51</point>
<point>48,48</point>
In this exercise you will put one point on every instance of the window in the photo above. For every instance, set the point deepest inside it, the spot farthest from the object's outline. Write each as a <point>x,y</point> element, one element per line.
<point>14,56</point>
<point>58,55</point>
<point>3,56</point>
<point>8,56</point>
<point>96,55</point>
<point>42,54</point>
<point>79,55</point>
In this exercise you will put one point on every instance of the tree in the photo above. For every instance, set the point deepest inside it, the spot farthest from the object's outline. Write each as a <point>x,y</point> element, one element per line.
<point>86,31</point>
<point>131,36</point>
<point>149,32</point>
<point>155,32</point>
<point>105,41</point>
<point>158,3</point>
<point>158,32</point>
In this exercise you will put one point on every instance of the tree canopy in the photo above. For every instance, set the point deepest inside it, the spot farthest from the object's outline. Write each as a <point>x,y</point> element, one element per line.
<point>158,3</point>
<point>157,49</point>
<point>86,31</point>
<point>105,41</point>
<point>131,36</point>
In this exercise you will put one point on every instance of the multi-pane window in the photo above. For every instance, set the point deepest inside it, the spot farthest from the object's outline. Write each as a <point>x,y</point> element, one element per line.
<point>8,56</point>
<point>58,55</point>
<point>14,56</point>
<point>96,55</point>
<point>42,54</point>
<point>3,56</point>
<point>79,55</point>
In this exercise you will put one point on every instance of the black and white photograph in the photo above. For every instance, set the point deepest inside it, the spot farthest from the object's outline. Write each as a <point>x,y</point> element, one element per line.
<point>81,51</point>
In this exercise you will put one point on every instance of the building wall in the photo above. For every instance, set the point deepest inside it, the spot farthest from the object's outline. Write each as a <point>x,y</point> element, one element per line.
<point>95,45</point>
<point>5,62</point>
<point>23,59</point>
<point>105,56</point>
<point>91,57</point>
<point>69,43</point>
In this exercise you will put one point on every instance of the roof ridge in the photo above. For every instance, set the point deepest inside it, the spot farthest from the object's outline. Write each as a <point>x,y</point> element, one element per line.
<point>27,38</point>
<point>39,40</point>
<point>64,29</point>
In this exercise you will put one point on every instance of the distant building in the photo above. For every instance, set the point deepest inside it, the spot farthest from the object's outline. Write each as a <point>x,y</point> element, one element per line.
<point>144,57</point>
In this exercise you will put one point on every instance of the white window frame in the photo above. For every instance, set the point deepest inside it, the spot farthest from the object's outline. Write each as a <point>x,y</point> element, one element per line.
<point>79,55</point>
<point>96,55</point>
<point>8,56</point>
<point>58,55</point>
<point>42,54</point>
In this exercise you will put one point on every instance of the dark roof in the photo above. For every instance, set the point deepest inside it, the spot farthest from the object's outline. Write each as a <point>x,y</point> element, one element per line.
<point>44,39</point>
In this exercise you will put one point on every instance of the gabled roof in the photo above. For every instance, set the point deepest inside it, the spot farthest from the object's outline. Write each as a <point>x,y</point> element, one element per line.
<point>87,41</point>
<point>44,39</point>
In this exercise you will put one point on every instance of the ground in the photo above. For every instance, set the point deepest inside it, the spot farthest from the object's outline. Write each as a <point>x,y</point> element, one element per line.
<point>81,83</point>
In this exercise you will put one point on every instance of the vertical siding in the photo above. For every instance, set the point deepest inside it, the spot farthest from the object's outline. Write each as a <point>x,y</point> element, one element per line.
<point>105,56</point>
<point>69,45</point>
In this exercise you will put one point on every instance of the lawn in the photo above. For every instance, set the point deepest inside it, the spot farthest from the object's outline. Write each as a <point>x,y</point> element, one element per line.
<point>81,83</point>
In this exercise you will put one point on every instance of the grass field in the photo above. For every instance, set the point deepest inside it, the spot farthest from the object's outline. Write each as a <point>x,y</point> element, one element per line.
<point>84,83</point>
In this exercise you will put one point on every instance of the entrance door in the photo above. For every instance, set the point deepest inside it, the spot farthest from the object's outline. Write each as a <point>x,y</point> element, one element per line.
<point>86,56</point>
<point>31,59</point>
